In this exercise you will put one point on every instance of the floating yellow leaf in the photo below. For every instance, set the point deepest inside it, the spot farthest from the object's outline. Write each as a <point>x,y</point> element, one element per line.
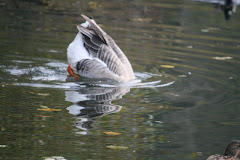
<point>182,76</point>
<point>40,94</point>
<point>43,116</point>
<point>112,133</point>
<point>117,147</point>
<point>222,58</point>
<point>167,66</point>
<point>43,94</point>
<point>48,109</point>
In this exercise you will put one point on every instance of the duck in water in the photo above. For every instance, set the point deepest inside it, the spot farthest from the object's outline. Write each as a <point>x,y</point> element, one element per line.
<point>231,152</point>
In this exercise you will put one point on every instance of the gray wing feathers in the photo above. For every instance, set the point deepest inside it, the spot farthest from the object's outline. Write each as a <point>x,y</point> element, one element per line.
<point>108,56</point>
<point>96,28</point>
<point>93,68</point>
<point>102,46</point>
<point>85,31</point>
<point>90,34</point>
<point>99,49</point>
<point>121,56</point>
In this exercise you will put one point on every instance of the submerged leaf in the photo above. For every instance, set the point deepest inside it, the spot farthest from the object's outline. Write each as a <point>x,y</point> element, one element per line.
<point>112,133</point>
<point>117,147</point>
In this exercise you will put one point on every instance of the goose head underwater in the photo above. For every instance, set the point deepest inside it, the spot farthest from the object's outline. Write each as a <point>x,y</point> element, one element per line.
<point>231,152</point>
<point>94,54</point>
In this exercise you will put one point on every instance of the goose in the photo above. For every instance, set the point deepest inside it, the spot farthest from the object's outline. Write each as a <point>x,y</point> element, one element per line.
<point>94,54</point>
<point>231,152</point>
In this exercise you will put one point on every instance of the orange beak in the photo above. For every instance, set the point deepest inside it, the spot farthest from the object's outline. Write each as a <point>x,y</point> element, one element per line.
<point>70,71</point>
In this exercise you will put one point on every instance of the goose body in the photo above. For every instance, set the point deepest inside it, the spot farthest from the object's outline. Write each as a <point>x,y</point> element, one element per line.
<point>231,152</point>
<point>94,54</point>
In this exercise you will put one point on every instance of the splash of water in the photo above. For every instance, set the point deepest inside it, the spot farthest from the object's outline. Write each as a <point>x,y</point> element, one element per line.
<point>55,73</point>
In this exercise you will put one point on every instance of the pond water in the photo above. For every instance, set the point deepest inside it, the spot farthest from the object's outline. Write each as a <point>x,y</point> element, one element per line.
<point>183,105</point>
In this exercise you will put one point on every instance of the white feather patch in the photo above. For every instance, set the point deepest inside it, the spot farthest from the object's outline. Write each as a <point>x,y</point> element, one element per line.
<point>76,51</point>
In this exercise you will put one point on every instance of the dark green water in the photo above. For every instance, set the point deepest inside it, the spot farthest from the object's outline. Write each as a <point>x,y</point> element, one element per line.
<point>186,106</point>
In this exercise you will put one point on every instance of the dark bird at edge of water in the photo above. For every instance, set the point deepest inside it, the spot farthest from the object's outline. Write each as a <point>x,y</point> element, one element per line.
<point>231,152</point>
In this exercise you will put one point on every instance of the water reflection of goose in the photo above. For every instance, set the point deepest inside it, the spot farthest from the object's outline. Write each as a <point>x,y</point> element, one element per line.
<point>227,6</point>
<point>94,54</point>
<point>90,103</point>
<point>231,152</point>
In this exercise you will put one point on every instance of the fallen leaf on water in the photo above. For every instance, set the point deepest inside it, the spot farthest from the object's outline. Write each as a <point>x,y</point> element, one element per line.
<point>112,133</point>
<point>43,94</point>
<point>182,76</point>
<point>222,58</point>
<point>167,66</point>
<point>43,116</point>
<point>39,94</point>
<point>48,109</point>
<point>117,147</point>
